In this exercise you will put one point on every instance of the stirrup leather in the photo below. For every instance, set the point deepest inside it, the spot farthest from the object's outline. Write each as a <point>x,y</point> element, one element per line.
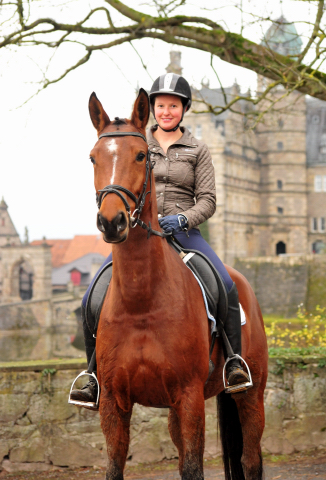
<point>89,405</point>
<point>241,386</point>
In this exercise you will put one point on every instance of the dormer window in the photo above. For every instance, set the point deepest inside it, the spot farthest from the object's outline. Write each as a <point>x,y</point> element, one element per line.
<point>322,145</point>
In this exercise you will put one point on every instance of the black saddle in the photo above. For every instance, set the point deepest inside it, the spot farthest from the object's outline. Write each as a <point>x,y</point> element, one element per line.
<point>200,265</point>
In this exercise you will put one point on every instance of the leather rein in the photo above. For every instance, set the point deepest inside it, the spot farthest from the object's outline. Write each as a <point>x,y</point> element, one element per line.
<point>140,201</point>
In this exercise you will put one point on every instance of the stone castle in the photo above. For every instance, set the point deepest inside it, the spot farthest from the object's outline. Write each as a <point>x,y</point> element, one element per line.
<point>271,180</point>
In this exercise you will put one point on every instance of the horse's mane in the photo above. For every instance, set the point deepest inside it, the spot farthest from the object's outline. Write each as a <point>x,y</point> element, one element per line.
<point>119,121</point>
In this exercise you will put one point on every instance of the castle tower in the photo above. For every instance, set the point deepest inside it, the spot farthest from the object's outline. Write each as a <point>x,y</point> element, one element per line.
<point>281,137</point>
<point>8,232</point>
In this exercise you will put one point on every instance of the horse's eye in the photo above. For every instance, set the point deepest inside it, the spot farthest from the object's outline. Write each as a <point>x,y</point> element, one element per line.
<point>140,157</point>
<point>92,160</point>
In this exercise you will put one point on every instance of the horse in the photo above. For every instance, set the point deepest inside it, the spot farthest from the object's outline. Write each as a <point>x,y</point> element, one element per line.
<point>153,337</point>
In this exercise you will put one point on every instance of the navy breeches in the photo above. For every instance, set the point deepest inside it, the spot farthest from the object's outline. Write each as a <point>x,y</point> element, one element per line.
<point>196,242</point>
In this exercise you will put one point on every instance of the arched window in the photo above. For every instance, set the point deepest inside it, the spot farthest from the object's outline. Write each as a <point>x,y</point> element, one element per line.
<point>25,281</point>
<point>280,248</point>
<point>318,247</point>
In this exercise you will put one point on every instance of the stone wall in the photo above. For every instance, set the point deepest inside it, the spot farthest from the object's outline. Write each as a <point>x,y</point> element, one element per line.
<point>54,313</point>
<point>38,258</point>
<point>40,431</point>
<point>282,283</point>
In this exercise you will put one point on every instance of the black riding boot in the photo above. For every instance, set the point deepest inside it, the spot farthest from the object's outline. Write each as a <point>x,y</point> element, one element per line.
<point>234,372</point>
<point>88,393</point>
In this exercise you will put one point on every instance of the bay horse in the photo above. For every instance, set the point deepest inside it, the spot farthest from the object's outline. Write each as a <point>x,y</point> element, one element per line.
<point>153,337</point>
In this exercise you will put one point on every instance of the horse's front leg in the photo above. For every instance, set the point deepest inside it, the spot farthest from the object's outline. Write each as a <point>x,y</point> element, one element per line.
<point>175,432</point>
<point>115,424</point>
<point>190,435</point>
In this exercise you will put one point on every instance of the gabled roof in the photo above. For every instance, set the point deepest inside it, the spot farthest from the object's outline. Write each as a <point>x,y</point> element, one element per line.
<point>84,264</point>
<point>67,250</point>
<point>8,232</point>
<point>58,250</point>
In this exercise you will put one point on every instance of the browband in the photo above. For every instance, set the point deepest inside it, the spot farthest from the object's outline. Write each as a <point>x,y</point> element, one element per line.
<point>123,134</point>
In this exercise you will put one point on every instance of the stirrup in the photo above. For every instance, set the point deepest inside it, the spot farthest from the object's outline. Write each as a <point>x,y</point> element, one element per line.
<point>241,386</point>
<point>89,405</point>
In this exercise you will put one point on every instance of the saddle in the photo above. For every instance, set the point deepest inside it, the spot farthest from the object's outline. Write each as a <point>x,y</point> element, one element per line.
<point>198,263</point>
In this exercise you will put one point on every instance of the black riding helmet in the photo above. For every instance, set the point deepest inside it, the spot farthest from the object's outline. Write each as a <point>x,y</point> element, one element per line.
<point>171,84</point>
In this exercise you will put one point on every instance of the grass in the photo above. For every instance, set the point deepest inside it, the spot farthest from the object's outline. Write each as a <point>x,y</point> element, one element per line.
<point>270,318</point>
<point>297,351</point>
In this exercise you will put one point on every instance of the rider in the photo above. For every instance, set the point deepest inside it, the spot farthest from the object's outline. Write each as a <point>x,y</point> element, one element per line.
<point>186,197</point>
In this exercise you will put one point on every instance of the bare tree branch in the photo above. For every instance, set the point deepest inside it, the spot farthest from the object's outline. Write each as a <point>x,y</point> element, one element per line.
<point>189,31</point>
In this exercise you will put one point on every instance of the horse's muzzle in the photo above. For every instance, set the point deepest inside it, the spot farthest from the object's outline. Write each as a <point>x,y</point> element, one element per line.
<point>114,231</point>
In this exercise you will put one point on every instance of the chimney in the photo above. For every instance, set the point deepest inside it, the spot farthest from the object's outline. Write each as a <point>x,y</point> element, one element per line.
<point>175,63</point>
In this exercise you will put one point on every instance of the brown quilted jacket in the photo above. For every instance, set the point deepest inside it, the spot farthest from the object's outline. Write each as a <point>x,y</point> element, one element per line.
<point>184,178</point>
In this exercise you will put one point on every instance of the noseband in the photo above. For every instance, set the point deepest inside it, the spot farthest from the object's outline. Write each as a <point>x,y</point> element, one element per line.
<point>140,201</point>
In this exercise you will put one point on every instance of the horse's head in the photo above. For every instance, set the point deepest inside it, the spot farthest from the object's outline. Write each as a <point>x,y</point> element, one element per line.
<point>120,161</point>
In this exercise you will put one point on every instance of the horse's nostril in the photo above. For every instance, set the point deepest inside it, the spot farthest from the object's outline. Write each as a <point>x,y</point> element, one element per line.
<point>120,221</point>
<point>100,225</point>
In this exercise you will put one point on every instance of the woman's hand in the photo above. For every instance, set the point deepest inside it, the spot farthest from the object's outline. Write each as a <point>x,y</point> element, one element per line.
<point>174,223</point>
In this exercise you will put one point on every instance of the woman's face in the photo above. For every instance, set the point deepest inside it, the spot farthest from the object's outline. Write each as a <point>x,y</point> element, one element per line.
<point>168,111</point>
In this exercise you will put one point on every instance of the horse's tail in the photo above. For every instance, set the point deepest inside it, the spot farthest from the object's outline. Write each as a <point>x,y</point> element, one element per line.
<point>231,436</point>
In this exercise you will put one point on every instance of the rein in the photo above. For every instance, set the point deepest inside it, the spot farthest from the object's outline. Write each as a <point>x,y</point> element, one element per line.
<point>140,201</point>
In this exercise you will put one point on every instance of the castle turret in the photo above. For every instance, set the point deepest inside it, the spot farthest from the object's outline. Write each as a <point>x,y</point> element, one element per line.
<point>282,146</point>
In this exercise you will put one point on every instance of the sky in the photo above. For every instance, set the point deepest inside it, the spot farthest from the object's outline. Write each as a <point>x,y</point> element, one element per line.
<point>46,177</point>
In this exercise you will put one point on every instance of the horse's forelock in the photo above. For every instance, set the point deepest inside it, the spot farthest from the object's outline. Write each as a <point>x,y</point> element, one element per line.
<point>119,121</point>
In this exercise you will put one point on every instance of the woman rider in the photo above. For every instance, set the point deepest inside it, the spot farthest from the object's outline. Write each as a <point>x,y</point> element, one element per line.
<point>186,197</point>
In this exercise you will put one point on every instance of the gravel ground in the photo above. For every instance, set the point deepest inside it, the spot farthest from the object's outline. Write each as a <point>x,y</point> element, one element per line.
<point>295,467</point>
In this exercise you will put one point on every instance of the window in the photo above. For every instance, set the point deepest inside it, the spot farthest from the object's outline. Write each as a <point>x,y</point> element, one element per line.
<point>198,132</point>
<point>280,248</point>
<point>280,210</point>
<point>279,184</point>
<point>318,183</point>
<point>318,247</point>
<point>219,123</point>
<point>322,145</point>
<point>324,183</point>
<point>279,145</point>
<point>322,224</point>
<point>280,123</point>
<point>314,224</point>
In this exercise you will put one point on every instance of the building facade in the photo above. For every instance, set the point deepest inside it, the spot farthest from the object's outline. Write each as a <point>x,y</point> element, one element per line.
<point>271,180</point>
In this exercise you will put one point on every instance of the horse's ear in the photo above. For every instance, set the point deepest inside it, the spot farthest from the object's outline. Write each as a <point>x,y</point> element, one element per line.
<point>98,115</point>
<point>140,114</point>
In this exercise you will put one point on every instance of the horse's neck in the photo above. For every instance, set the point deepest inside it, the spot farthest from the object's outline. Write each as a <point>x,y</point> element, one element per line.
<point>136,261</point>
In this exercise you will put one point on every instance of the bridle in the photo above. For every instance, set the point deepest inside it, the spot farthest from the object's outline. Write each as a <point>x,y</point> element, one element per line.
<point>140,201</point>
